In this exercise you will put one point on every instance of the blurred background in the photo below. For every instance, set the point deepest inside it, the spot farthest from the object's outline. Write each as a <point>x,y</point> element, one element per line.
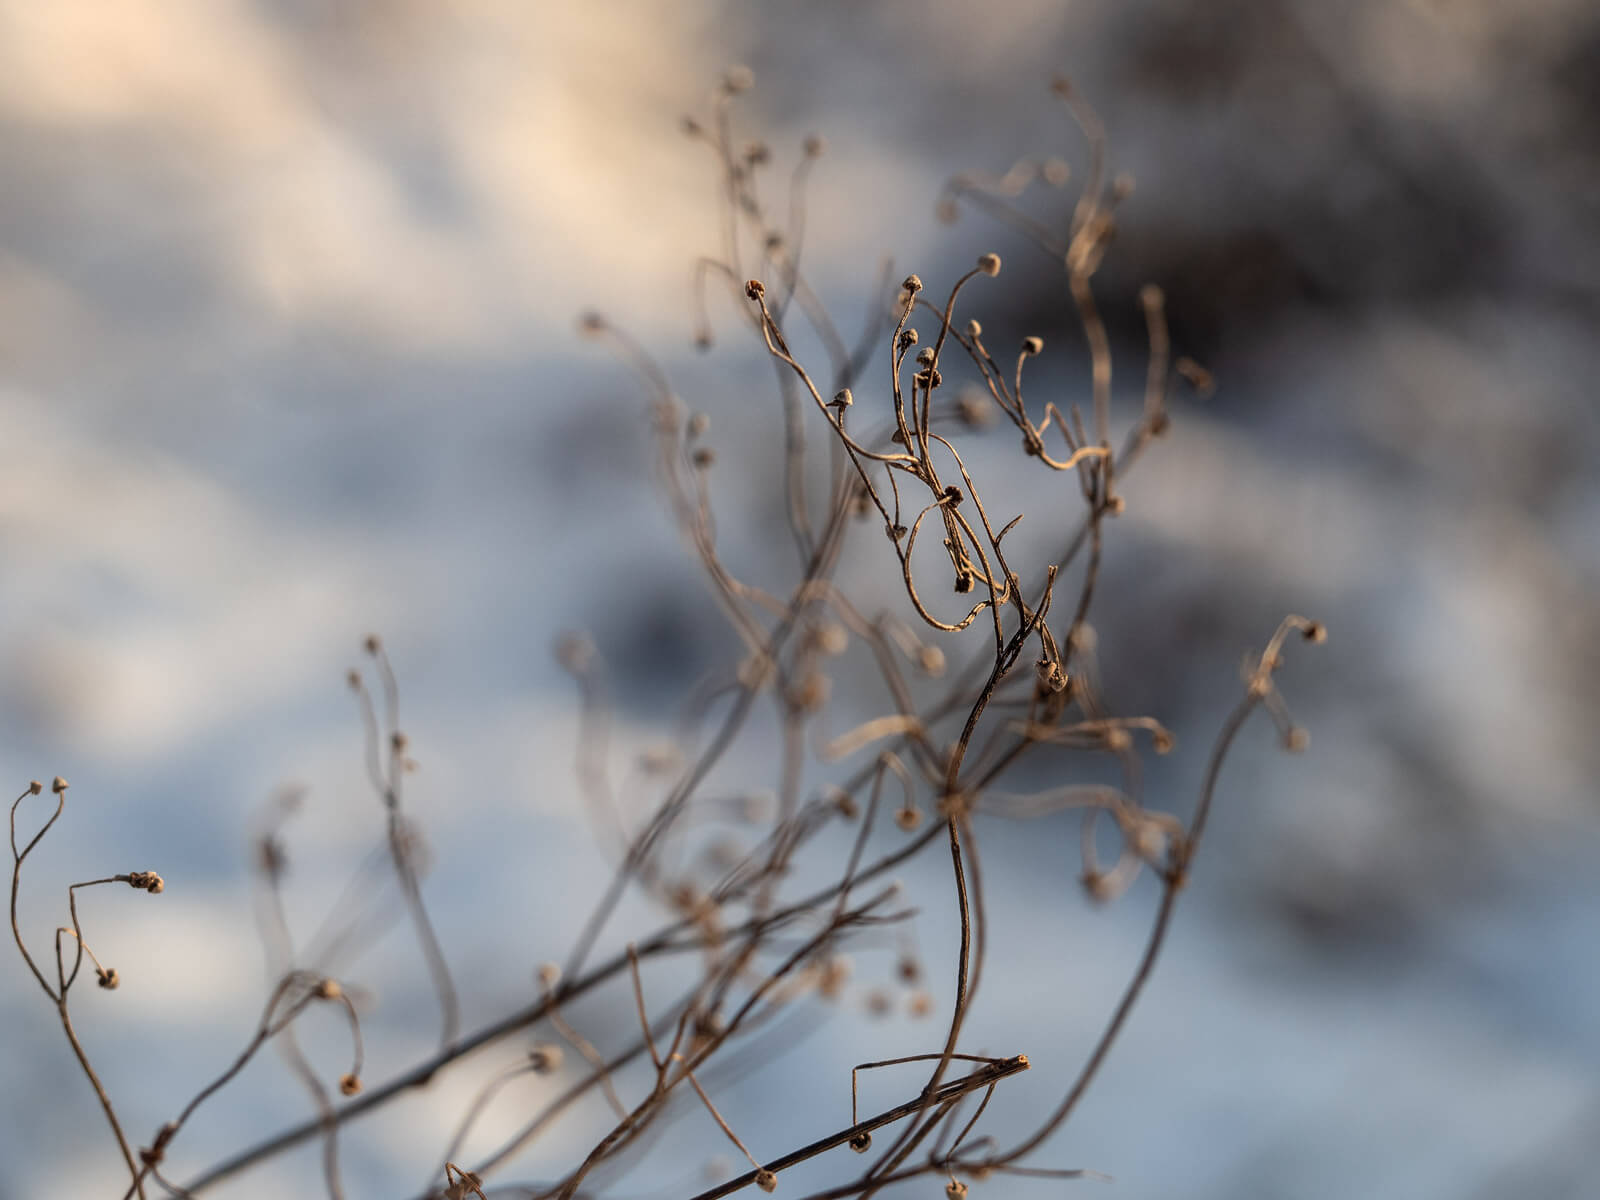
<point>288,353</point>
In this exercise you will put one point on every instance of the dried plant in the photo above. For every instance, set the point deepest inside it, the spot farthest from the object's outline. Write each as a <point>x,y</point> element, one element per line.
<point>940,745</point>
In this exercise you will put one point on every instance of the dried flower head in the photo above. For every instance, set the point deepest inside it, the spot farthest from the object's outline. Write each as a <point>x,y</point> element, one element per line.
<point>107,978</point>
<point>349,1085</point>
<point>843,398</point>
<point>766,1180</point>
<point>545,1058</point>
<point>35,787</point>
<point>907,817</point>
<point>931,660</point>
<point>755,289</point>
<point>974,330</point>
<point>1032,345</point>
<point>912,284</point>
<point>59,785</point>
<point>955,1190</point>
<point>989,264</point>
<point>147,881</point>
<point>862,1142</point>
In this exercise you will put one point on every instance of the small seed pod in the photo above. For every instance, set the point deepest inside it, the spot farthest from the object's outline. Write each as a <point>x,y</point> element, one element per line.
<point>59,785</point>
<point>1316,632</point>
<point>544,1058</point>
<point>974,330</point>
<point>548,976</point>
<point>1118,739</point>
<point>698,424</point>
<point>843,398</point>
<point>35,787</point>
<point>328,989</point>
<point>1296,739</point>
<point>1055,172</point>
<point>846,804</point>
<point>920,1005</point>
<point>955,1190</point>
<point>925,356</point>
<point>766,1180</point>
<point>1116,506</point>
<point>372,644</point>
<point>989,264</point>
<point>147,881</point>
<point>704,457</point>
<point>1032,345</point>
<point>108,978</point>
<point>1162,741</point>
<point>908,969</point>
<point>862,1142</point>
<point>908,337</point>
<point>832,639</point>
<point>931,660</point>
<point>912,284</point>
<point>964,581</point>
<point>1052,677</point>
<point>755,289</point>
<point>907,818</point>
<point>349,1085</point>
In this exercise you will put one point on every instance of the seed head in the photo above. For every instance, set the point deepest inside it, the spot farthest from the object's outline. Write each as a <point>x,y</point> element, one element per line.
<point>907,817</point>
<point>843,398</point>
<point>1296,739</point>
<point>1316,632</point>
<point>698,424</point>
<point>548,976</point>
<point>912,284</point>
<point>350,1084</point>
<point>766,1180</point>
<point>862,1142</point>
<point>755,289</point>
<point>35,787</point>
<point>108,978</point>
<point>989,264</point>
<point>59,785</point>
<point>545,1058</point>
<point>328,989</point>
<point>1032,345</point>
<point>931,660</point>
<point>955,1190</point>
